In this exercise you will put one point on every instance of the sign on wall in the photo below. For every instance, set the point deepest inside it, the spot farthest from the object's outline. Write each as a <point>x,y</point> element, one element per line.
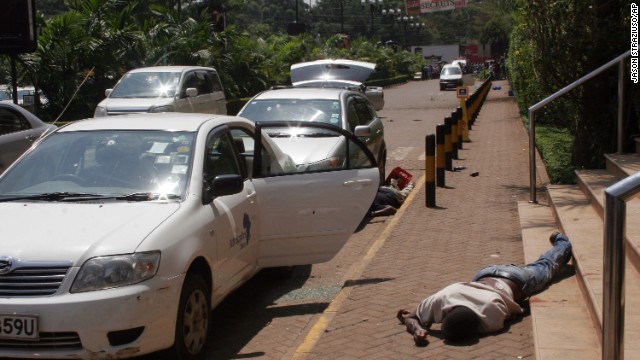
<point>416,7</point>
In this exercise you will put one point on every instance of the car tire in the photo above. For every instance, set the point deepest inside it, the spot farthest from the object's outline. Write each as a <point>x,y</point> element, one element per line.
<point>441,87</point>
<point>192,325</point>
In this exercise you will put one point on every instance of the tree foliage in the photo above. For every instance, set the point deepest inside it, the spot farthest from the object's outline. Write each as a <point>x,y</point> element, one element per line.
<point>554,43</point>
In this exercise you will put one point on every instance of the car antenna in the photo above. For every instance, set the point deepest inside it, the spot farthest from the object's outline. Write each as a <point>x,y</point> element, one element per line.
<point>74,94</point>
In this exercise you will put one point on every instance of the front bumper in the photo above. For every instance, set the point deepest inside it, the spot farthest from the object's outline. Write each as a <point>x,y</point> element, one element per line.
<point>148,309</point>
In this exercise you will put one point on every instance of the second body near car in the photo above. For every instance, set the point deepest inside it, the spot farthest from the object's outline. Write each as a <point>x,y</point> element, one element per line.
<point>146,222</point>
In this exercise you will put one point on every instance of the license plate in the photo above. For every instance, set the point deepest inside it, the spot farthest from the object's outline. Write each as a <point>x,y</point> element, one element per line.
<point>22,327</point>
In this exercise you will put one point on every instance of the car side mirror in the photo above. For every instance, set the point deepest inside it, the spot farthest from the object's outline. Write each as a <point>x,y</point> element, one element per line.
<point>362,131</point>
<point>191,92</point>
<point>222,185</point>
<point>108,92</point>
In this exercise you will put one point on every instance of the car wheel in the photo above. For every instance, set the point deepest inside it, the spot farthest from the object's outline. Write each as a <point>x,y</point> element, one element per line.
<point>192,326</point>
<point>441,87</point>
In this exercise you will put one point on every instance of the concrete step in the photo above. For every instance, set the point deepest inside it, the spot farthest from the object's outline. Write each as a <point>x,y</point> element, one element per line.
<point>623,165</point>
<point>561,306</point>
<point>593,183</point>
<point>577,218</point>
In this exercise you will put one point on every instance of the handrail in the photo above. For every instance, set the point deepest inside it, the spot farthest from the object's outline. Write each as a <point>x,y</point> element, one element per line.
<point>614,264</point>
<point>532,132</point>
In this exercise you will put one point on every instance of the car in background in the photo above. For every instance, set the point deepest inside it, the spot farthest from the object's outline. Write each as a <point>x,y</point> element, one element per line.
<point>450,77</point>
<point>18,130</point>
<point>189,89</point>
<point>338,73</point>
<point>6,95</point>
<point>319,150</point>
<point>146,222</point>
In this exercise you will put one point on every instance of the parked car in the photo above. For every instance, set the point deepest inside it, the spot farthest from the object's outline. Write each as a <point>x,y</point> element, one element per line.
<point>189,89</point>
<point>146,222</point>
<point>338,73</point>
<point>343,108</point>
<point>18,130</point>
<point>6,95</point>
<point>450,77</point>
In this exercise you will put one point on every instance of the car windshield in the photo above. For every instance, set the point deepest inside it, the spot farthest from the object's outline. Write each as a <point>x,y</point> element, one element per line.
<point>104,163</point>
<point>325,111</point>
<point>147,85</point>
<point>453,70</point>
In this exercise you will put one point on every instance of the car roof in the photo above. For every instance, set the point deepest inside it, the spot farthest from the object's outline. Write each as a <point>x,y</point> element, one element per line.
<point>303,93</point>
<point>171,68</point>
<point>151,121</point>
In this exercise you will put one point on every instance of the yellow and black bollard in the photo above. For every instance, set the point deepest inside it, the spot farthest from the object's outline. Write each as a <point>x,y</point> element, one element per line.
<point>430,170</point>
<point>447,144</point>
<point>454,135</point>
<point>440,157</point>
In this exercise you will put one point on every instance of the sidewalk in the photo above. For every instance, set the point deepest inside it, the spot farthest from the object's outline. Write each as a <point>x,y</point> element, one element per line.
<point>422,250</point>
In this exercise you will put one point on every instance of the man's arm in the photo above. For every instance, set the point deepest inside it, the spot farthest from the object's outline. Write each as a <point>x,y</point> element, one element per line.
<point>411,321</point>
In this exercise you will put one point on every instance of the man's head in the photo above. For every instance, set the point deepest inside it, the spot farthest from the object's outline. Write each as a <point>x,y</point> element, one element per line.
<point>460,323</point>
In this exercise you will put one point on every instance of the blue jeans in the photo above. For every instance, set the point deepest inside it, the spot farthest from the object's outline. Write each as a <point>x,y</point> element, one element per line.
<point>533,278</point>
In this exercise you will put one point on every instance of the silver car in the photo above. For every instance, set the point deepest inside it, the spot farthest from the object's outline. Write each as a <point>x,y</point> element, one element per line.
<point>346,109</point>
<point>18,130</point>
<point>189,89</point>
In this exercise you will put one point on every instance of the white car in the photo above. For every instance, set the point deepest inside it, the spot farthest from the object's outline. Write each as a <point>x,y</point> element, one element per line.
<point>18,130</point>
<point>189,89</point>
<point>146,222</point>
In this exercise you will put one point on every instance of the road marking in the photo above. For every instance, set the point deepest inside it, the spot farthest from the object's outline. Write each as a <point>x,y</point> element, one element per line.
<point>400,152</point>
<point>323,321</point>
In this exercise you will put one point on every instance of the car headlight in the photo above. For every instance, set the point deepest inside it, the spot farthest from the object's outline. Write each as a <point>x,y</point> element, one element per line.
<point>100,111</point>
<point>114,271</point>
<point>159,109</point>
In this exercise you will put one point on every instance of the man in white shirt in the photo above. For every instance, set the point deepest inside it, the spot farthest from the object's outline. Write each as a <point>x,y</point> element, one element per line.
<point>482,305</point>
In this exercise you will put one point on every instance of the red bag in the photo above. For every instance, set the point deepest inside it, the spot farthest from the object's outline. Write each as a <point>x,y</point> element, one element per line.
<point>403,177</point>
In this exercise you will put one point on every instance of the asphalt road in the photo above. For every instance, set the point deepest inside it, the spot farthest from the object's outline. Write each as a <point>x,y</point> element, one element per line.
<point>269,316</point>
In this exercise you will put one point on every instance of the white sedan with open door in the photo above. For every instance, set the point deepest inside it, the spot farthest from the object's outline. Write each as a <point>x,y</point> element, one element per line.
<point>121,234</point>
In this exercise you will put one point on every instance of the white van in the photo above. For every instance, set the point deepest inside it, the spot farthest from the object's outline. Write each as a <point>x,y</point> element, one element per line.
<point>190,89</point>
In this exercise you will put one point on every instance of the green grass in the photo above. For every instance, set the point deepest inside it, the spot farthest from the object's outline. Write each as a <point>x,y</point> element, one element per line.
<point>555,148</point>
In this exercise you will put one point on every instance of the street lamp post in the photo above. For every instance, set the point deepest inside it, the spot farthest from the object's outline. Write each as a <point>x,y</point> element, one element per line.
<point>389,15</point>
<point>374,9</point>
<point>417,26</point>
<point>405,21</point>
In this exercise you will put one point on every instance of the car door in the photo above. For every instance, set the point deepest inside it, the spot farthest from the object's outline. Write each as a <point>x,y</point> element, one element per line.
<point>233,215</point>
<point>306,217</point>
<point>16,136</point>
<point>217,102</point>
<point>183,102</point>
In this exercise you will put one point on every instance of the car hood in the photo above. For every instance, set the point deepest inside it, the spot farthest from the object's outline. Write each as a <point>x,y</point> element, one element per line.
<point>304,150</point>
<point>134,104</point>
<point>34,231</point>
<point>331,70</point>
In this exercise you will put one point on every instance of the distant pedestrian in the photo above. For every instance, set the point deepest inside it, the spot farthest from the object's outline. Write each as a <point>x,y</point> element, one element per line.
<point>482,305</point>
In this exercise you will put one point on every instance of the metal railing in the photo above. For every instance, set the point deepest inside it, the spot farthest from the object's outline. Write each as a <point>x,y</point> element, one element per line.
<point>616,196</point>
<point>532,129</point>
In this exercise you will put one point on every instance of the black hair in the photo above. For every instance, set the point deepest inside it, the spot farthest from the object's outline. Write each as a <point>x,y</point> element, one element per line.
<point>460,323</point>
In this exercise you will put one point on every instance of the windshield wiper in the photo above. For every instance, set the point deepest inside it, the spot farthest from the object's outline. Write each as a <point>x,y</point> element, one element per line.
<point>147,196</point>
<point>56,196</point>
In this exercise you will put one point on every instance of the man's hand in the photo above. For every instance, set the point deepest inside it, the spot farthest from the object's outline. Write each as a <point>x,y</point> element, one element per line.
<point>411,321</point>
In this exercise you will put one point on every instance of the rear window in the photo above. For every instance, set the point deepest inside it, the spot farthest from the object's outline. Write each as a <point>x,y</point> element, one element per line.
<point>453,70</point>
<point>326,111</point>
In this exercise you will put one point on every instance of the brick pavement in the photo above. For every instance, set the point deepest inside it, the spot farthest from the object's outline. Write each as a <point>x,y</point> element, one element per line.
<point>476,223</point>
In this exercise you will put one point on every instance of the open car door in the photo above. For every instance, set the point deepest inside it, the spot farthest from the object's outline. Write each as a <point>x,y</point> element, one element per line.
<point>308,215</point>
